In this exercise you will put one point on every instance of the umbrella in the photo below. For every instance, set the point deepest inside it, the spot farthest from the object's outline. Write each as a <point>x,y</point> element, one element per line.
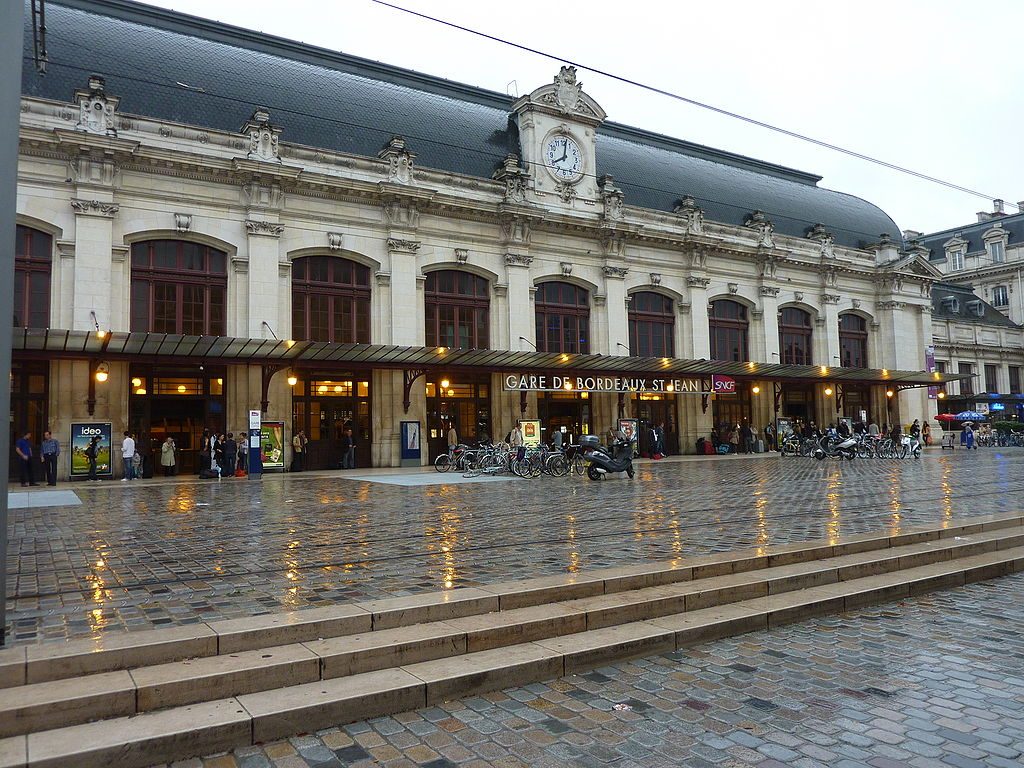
<point>970,416</point>
<point>945,417</point>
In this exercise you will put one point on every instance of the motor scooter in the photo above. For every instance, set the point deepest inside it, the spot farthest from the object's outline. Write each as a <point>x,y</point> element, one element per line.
<point>836,447</point>
<point>618,457</point>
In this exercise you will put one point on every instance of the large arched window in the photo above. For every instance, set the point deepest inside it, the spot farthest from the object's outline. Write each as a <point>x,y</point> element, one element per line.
<point>457,306</point>
<point>330,300</point>
<point>795,336</point>
<point>178,287</point>
<point>853,341</point>
<point>32,261</point>
<point>563,318</point>
<point>727,321</point>
<point>651,325</point>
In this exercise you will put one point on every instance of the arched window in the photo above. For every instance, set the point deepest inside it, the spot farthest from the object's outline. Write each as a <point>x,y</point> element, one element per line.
<point>652,323</point>
<point>563,318</point>
<point>728,328</point>
<point>795,336</point>
<point>457,306</point>
<point>330,300</point>
<point>32,261</point>
<point>178,287</point>
<point>853,341</point>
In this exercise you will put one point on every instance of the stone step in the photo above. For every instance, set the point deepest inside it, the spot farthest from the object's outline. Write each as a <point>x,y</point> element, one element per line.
<point>147,688</point>
<point>196,729</point>
<point>111,652</point>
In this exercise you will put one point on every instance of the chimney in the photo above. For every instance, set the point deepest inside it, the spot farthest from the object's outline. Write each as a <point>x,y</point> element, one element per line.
<point>997,207</point>
<point>984,216</point>
<point>885,250</point>
<point>911,234</point>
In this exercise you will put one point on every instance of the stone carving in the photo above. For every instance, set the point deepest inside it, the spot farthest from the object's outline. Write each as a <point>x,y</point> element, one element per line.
<point>892,305</point>
<point>263,137</point>
<point>699,258</point>
<point>600,299</point>
<point>383,278</point>
<point>183,222</point>
<point>399,160</point>
<point>926,309</point>
<point>612,197</point>
<point>95,208</point>
<point>334,240</point>
<point>516,230</point>
<point>698,282</point>
<point>691,214</point>
<point>830,298</point>
<point>401,213</point>
<point>684,307</point>
<point>96,109</point>
<point>769,290</point>
<point>655,278</point>
<point>826,241</point>
<point>763,229</point>
<point>514,177</point>
<point>768,265</point>
<point>798,295</point>
<point>518,259</point>
<point>566,268</point>
<point>856,303</point>
<point>403,246</point>
<point>830,277</point>
<point>613,244</point>
<point>501,289</point>
<point>264,228</point>
<point>615,272</point>
<point>461,255</point>
<point>733,287</point>
<point>566,191</point>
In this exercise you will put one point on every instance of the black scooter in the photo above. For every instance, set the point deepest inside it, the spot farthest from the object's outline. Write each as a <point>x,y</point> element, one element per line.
<point>616,458</point>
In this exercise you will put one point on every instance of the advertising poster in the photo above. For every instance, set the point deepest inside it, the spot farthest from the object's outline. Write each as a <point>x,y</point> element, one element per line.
<point>81,434</point>
<point>411,441</point>
<point>531,431</point>
<point>783,427</point>
<point>272,444</point>
<point>629,427</point>
<point>929,365</point>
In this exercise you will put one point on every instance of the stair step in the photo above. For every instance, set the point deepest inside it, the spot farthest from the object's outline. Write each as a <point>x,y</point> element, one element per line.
<point>278,712</point>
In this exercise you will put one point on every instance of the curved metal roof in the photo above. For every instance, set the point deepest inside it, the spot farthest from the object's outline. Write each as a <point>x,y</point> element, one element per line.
<point>178,68</point>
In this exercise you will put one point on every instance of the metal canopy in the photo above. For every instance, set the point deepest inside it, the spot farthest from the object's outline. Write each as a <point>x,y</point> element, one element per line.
<point>157,347</point>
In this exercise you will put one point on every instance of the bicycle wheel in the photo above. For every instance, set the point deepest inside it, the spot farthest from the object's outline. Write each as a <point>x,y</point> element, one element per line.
<point>443,463</point>
<point>579,465</point>
<point>558,466</point>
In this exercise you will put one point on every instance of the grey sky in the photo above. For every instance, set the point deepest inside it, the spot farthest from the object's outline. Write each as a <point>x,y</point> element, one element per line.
<point>933,85</point>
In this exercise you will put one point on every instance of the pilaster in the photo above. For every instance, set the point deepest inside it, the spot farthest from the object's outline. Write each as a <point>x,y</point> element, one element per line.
<point>93,249</point>
<point>700,341</point>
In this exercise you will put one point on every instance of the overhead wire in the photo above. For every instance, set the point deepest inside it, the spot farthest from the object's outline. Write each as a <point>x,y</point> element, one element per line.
<point>692,102</point>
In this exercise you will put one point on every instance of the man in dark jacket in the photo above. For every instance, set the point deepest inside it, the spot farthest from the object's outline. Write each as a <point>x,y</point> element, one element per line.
<point>345,444</point>
<point>230,455</point>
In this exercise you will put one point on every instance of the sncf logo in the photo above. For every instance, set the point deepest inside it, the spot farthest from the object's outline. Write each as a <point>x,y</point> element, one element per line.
<point>723,385</point>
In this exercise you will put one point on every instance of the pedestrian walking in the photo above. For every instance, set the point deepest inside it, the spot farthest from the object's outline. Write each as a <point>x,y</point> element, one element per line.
<point>167,458</point>
<point>452,436</point>
<point>926,433</point>
<point>23,447</point>
<point>556,440</point>
<point>91,452</point>
<point>128,456</point>
<point>659,442</point>
<point>49,451</point>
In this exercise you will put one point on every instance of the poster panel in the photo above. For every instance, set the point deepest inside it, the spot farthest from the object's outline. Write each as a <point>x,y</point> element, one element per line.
<point>411,440</point>
<point>629,428</point>
<point>783,427</point>
<point>81,433</point>
<point>929,365</point>
<point>531,431</point>
<point>272,444</point>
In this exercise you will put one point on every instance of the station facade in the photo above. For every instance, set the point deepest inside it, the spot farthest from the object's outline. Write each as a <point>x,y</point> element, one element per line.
<point>266,190</point>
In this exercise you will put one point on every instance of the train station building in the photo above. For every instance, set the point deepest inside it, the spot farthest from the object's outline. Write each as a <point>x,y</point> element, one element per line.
<point>212,220</point>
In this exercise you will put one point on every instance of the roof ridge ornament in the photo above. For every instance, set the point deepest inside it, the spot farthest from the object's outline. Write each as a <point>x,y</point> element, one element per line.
<point>765,230</point>
<point>400,161</point>
<point>691,214</point>
<point>96,108</point>
<point>263,137</point>
<point>826,241</point>
<point>515,178</point>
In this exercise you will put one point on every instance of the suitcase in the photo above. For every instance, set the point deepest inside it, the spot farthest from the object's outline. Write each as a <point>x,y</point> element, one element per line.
<point>759,446</point>
<point>709,449</point>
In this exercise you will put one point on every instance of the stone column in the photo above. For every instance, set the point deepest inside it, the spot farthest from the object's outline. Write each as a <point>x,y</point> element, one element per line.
<point>700,339</point>
<point>616,312</point>
<point>94,232</point>
<point>770,323</point>
<point>263,247</point>
<point>830,311</point>
<point>406,309</point>
<point>519,303</point>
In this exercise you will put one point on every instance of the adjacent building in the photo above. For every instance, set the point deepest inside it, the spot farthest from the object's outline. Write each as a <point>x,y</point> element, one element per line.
<point>213,220</point>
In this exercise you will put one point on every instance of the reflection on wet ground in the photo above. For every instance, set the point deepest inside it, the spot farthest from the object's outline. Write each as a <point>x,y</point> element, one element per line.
<point>142,557</point>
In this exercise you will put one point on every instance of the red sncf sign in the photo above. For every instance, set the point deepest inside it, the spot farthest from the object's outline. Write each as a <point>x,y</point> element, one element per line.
<point>723,385</point>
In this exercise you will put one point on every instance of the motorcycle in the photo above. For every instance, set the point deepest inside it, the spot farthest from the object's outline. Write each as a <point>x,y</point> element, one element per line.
<point>618,457</point>
<point>835,447</point>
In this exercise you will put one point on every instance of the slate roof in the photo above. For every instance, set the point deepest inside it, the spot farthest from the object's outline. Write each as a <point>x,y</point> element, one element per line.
<point>1013,224</point>
<point>338,102</point>
<point>942,309</point>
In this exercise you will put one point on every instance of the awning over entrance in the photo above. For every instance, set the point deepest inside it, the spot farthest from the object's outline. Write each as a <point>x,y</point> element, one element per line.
<point>174,349</point>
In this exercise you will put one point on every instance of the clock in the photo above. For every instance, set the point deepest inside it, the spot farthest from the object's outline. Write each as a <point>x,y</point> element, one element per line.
<point>563,158</point>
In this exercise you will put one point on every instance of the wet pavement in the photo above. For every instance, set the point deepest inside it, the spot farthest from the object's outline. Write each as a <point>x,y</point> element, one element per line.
<point>932,682</point>
<point>138,556</point>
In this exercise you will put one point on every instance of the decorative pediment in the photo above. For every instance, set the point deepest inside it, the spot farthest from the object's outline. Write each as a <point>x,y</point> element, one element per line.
<point>263,137</point>
<point>399,160</point>
<point>96,109</point>
<point>564,97</point>
<point>612,197</point>
<point>995,233</point>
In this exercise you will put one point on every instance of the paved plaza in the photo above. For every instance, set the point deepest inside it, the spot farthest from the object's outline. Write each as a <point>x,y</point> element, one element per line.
<point>932,682</point>
<point>140,555</point>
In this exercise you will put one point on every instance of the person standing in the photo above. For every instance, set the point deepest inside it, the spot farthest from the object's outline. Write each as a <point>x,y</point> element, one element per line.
<point>926,433</point>
<point>769,436</point>
<point>23,447</point>
<point>167,459</point>
<point>230,455</point>
<point>243,451</point>
<point>91,452</point>
<point>128,457</point>
<point>350,455</point>
<point>734,438</point>
<point>659,432</point>
<point>49,451</point>
<point>873,429</point>
<point>452,436</point>
<point>298,451</point>
<point>516,437</point>
<point>344,444</point>
<point>747,436</point>
<point>556,440</point>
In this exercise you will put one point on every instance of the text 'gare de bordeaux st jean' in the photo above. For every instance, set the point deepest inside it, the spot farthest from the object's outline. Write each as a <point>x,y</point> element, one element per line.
<point>249,258</point>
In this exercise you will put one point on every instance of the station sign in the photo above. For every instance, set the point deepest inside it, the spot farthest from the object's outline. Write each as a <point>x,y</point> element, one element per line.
<point>534,382</point>
<point>723,385</point>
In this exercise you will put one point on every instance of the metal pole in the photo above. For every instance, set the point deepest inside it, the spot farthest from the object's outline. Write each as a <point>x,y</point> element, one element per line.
<point>11,31</point>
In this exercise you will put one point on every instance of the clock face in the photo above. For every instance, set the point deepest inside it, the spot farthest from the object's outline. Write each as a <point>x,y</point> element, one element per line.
<point>563,158</point>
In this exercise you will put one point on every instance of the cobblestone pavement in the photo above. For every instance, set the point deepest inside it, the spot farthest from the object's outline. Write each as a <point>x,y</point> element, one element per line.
<point>143,556</point>
<point>933,682</point>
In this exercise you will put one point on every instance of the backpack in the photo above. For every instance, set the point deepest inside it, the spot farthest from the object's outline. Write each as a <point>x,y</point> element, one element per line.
<point>90,451</point>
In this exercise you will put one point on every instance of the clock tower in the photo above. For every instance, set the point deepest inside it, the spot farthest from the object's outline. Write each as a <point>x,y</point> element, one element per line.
<point>557,140</point>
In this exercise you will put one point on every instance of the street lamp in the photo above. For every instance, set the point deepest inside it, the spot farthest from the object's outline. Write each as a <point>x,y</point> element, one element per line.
<point>102,372</point>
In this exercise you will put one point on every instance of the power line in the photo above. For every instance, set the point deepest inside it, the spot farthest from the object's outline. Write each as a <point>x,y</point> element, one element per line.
<point>693,102</point>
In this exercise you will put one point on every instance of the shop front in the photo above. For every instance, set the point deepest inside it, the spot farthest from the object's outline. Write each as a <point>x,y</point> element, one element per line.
<point>565,412</point>
<point>329,407</point>
<point>176,402</point>
<point>654,410</point>
<point>462,401</point>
